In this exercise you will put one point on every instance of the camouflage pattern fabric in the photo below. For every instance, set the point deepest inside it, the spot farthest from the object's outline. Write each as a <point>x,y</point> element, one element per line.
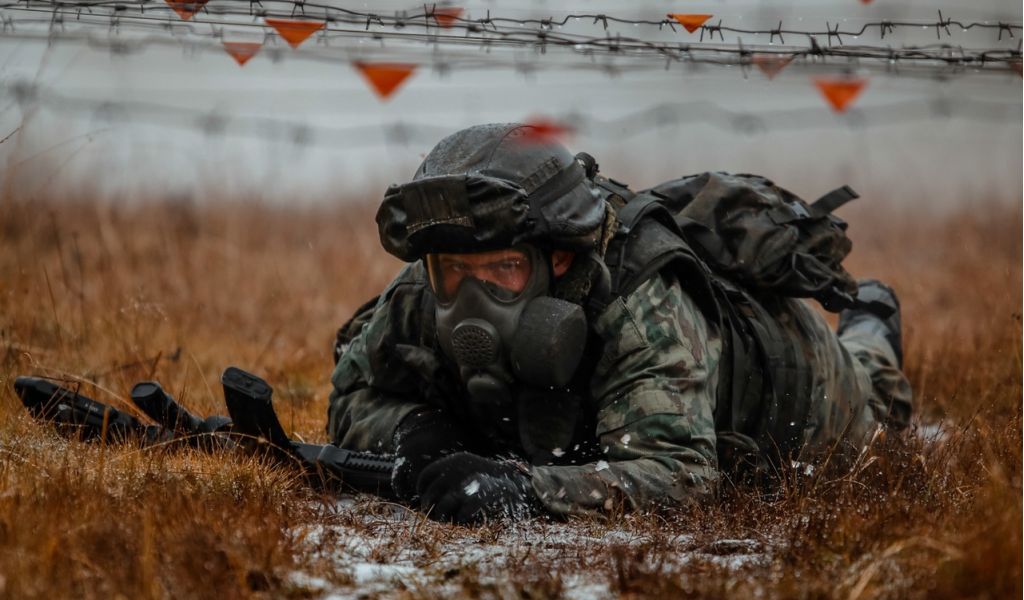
<point>652,393</point>
<point>379,379</point>
<point>654,388</point>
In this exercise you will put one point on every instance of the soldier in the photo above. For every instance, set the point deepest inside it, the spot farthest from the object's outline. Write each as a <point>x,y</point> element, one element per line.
<point>560,344</point>
<point>537,356</point>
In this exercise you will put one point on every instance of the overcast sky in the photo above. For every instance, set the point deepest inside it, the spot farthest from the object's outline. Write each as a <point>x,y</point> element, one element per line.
<point>174,120</point>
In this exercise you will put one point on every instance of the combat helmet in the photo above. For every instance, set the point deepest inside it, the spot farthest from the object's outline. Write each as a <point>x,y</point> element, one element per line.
<point>489,187</point>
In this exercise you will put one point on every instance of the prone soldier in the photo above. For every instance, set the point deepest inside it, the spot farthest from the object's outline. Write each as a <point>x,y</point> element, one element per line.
<point>559,344</point>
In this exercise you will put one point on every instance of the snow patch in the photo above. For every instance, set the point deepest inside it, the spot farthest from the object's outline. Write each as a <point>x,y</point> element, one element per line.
<point>384,548</point>
<point>370,573</point>
<point>935,433</point>
<point>806,468</point>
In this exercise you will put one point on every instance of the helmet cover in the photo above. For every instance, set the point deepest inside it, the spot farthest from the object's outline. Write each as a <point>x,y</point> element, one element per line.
<point>489,187</point>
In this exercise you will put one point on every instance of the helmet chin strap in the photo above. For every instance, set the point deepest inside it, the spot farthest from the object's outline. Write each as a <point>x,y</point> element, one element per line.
<point>547,256</point>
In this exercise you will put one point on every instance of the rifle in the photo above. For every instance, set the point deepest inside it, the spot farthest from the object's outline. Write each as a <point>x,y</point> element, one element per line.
<point>252,412</point>
<point>253,426</point>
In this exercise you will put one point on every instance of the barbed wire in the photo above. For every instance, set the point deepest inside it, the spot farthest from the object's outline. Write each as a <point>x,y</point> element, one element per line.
<point>433,15</point>
<point>461,42</point>
<point>661,117</point>
<point>932,60</point>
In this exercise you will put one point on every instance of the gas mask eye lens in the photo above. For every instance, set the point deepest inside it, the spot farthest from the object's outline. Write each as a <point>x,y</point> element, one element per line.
<point>504,273</point>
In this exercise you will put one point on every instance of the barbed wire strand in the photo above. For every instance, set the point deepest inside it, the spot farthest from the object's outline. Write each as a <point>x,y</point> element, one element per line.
<point>662,117</point>
<point>433,15</point>
<point>936,57</point>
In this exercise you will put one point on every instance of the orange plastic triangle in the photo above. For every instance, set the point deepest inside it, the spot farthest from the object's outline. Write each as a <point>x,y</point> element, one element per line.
<point>186,8</point>
<point>385,78</point>
<point>446,15</point>
<point>690,22</point>
<point>295,31</point>
<point>542,130</point>
<point>771,64</point>
<point>242,51</point>
<point>840,93</point>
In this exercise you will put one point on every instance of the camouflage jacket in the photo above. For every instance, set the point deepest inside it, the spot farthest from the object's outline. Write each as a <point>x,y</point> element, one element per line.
<point>637,430</point>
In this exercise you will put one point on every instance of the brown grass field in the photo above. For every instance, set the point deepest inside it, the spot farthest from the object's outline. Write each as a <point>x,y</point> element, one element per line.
<point>107,295</point>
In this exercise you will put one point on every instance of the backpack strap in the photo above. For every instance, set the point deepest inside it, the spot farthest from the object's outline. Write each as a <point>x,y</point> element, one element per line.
<point>615,192</point>
<point>648,239</point>
<point>831,201</point>
<point>635,210</point>
<point>785,408</point>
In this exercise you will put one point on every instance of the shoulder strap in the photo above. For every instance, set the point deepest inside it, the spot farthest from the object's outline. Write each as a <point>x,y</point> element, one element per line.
<point>616,193</point>
<point>635,210</point>
<point>833,200</point>
<point>647,240</point>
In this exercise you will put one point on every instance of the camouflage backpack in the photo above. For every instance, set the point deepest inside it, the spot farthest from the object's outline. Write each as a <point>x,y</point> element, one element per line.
<point>757,235</point>
<point>742,246</point>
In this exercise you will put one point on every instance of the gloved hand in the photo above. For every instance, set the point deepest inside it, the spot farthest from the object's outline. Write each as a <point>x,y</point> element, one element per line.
<point>422,437</point>
<point>466,488</point>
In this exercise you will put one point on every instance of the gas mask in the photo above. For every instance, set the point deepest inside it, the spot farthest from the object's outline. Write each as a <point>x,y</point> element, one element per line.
<point>496,322</point>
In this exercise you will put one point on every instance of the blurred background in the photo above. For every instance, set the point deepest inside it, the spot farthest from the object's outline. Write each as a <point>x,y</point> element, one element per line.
<point>130,101</point>
<point>167,211</point>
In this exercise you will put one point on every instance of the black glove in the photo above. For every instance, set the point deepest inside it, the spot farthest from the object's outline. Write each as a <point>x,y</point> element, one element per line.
<point>422,437</point>
<point>466,488</point>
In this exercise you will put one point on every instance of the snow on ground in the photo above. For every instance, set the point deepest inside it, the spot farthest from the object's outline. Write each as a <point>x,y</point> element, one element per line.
<point>376,549</point>
<point>379,555</point>
<point>935,432</point>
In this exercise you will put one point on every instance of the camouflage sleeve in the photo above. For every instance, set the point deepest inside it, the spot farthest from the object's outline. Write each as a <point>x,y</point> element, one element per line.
<point>655,389</point>
<point>378,379</point>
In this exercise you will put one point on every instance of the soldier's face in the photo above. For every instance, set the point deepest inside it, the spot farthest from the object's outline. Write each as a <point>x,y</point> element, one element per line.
<point>508,269</point>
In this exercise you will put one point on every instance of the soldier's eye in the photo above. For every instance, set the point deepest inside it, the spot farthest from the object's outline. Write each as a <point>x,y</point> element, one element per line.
<point>510,265</point>
<point>458,268</point>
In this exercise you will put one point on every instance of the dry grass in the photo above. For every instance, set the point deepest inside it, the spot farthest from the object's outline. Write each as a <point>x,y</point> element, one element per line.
<point>114,294</point>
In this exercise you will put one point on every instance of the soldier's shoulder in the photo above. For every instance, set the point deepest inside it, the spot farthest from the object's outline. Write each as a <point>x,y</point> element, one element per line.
<point>658,308</point>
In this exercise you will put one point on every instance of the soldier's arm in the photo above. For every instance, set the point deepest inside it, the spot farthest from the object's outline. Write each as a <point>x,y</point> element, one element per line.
<point>380,378</point>
<point>655,388</point>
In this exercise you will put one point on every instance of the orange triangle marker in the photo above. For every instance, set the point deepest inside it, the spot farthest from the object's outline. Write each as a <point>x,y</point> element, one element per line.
<point>771,64</point>
<point>542,130</point>
<point>446,15</point>
<point>840,93</point>
<point>385,78</point>
<point>295,31</point>
<point>186,8</point>
<point>242,51</point>
<point>690,22</point>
